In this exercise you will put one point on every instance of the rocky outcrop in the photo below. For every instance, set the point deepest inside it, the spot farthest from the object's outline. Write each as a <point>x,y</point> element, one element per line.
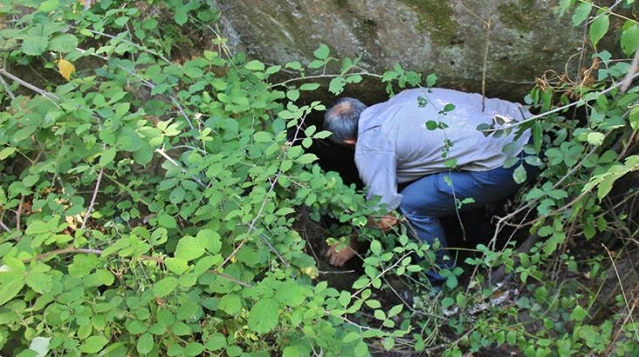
<point>523,38</point>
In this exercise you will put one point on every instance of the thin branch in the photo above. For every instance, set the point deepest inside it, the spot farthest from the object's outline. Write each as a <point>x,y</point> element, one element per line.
<point>139,47</point>
<point>175,163</point>
<point>609,10</point>
<point>30,86</point>
<point>19,213</point>
<point>627,80</point>
<point>5,227</point>
<point>95,194</point>
<point>175,102</point>
<point>485,68</point>
<point>7,88</point>
<point>323,76</point>
<point>559,109</point>
<point>623,293</point>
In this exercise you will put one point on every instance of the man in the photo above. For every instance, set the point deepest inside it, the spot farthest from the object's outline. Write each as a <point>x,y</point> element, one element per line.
<point>427,139</point>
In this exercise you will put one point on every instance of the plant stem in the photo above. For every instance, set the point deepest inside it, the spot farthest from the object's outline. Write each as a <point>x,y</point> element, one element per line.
<point>559,109</point>
<point>7,88</point>
<point>95,194</point>
<point>54,98</point>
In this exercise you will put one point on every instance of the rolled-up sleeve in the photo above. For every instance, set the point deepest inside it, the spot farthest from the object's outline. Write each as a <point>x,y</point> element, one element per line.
<point>378,171</point>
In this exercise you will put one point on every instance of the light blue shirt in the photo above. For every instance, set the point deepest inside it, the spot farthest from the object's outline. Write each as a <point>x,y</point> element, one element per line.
<point>395,146</point>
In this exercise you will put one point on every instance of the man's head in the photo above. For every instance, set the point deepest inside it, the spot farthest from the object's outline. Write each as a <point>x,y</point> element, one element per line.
<point>342,119</point>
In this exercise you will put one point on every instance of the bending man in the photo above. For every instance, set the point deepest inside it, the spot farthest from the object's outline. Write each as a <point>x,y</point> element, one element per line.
<point>427,140</point>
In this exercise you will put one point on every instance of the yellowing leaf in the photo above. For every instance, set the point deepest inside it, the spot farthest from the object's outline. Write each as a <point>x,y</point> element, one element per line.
<point>66,69</point>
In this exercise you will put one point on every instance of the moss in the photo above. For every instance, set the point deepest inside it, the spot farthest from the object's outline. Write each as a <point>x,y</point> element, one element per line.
<point>523,15</point>
<point>436,18</point>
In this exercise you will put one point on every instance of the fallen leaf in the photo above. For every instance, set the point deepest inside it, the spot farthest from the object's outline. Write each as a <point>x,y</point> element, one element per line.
<point>66,69</point>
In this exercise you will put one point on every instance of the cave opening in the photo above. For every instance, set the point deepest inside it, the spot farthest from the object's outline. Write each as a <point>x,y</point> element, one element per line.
<point>463,230</point>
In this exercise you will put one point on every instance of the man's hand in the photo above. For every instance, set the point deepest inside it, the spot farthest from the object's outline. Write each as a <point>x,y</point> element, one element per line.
<point>385,223</point>
<point>338,259</point>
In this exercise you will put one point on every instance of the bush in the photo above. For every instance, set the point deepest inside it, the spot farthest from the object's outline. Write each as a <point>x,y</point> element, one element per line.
<point>148,198</point>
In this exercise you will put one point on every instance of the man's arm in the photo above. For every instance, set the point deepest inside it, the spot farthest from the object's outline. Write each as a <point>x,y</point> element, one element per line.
<point>378,170</point>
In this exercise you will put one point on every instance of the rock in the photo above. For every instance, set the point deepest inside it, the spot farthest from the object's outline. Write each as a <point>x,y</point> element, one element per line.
<point>525,37</point>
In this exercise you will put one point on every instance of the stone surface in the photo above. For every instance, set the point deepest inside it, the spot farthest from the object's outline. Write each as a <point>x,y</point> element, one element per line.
<point>524,37</point>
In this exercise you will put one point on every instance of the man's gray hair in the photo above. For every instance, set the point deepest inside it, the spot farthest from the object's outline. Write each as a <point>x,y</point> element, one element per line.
<point>342,118</point>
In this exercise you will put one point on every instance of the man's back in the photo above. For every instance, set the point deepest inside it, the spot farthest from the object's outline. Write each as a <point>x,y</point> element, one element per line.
<point>395,133</point>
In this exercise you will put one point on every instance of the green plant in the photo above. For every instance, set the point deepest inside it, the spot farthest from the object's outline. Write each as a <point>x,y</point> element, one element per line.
<point>147,200</point>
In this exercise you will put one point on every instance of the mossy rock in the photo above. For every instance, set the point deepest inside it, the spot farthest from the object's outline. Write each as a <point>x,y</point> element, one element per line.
<point>525,38</point>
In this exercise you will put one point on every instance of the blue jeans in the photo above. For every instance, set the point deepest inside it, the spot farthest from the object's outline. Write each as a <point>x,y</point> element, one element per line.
<point>433,196</point>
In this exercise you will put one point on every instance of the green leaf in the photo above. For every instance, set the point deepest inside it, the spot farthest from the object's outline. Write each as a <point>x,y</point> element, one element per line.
<point>193,349</point>
<point>231,304</point>
<point>254,65</point>
<point>630,38</point>
<point>431,125</point>
<point>136,327</point>
<point>293,94</point>
<point>336,86</point>
<point>262,137</point>
<point>107,156</point>
<point>166,221</point>
<point>210,239</point>
<point>6,152</point>
<point>216,342</point>
<point>309,86</point>
<point>510,149</point>
<point>47,6</point>
<point>294,65</point>
<point>581,13</point>
<point>263,316</point>
<point>34,45</point>
<point>63,43</point>
<point>579,313</point>
<point>351,337</point>
<point>176,265</point>
<point>189,248</point>
<point>376,247</point>
<point>595,138</point>
<point>291,351</point>
<point>449,107</point>
<point>165,286</point>
<point>452,282</point>
<point>306,158</point>
<point>149,24</point>
<point>633,117</point>
<point>598,28</point>
<point>11,284</point>
<point>537,133</point>
<point>93,344</point>
<point>41,283</point>
<point>322,52</point>
<point>431,79</point>
<point>361,349</point>
<point>145,344</point>
<point>519,175</point>
<point>181,16</point>
<point>40,345</point>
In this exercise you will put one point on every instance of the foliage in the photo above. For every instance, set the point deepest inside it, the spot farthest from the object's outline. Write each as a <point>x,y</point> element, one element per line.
<point>147,199</point>
<point>157,194</point>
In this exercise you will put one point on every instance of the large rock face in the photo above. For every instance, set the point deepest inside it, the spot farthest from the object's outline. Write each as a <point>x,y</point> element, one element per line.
<point>448,37</point>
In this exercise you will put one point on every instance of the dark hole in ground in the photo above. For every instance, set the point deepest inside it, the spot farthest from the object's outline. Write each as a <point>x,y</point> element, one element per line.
<point>477,225</point>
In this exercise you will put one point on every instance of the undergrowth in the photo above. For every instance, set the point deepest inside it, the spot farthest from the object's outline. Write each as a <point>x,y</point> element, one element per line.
<point>147,201</point>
